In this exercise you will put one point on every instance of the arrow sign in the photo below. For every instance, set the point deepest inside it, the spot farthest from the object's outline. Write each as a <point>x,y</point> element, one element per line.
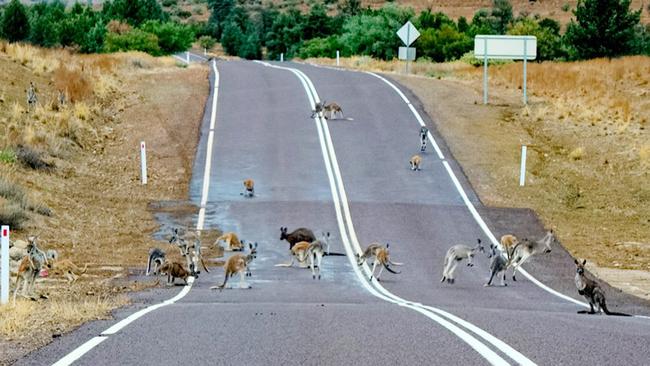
<point>408,33</point>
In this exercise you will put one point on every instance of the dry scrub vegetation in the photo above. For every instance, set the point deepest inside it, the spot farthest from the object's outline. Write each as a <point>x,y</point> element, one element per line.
<point>589,157</point>
<point>70,173</point>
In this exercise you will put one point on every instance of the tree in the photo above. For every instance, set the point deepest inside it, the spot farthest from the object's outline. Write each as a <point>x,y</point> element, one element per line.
<point>14,25</point>
<point>350,7</point>
<point>317,23</point>
<point>172,37</point>
<point>232,37</point>
<point>604,28</point>
<point>207,42</point>
<point>134,12</point>
<point>502,15</point>
<point>549,44</point>
<point>220,11</point>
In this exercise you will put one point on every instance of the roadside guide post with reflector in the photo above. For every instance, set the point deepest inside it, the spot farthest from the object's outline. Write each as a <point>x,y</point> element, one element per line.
<point>4,264</point>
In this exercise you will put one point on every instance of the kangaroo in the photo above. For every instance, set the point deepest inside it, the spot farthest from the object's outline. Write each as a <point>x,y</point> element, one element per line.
<point>415,162</point>
<point>498,264</point>
<point>316,250</point>
<point>508,242</point>
<point>68,269</point>
<point>380,255</point>
<point>232,242</point>
<point>249,188</point>
<point>592,291</point>
<point>238,264</point>
<point>298,235</point>
<point>527,248</point>
<point>456,254</point>
<point>157,258</point>
<point>323,108</point>
<point>189,244</point>
<point>32,99</point>
<point>174,270</point>
<point>298,252</point>
<point>423,138</point>
<point>34,264</point>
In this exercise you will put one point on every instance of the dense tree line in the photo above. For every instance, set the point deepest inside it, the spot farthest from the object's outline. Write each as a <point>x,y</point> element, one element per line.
<point>600,28</point>
<point>121,25</point>
<point>362,31</point>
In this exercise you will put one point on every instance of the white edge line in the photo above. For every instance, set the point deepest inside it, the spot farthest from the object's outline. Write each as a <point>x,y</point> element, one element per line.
<point>481,348</point>
<point>181,59</point>
<point>470,206</point>
<point>80,351</point>
<point>515,355</point>
<point>84,348</point>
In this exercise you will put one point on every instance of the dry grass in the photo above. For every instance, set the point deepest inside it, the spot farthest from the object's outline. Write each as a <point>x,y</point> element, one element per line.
<point>55,316</point>
<point>92,205</point>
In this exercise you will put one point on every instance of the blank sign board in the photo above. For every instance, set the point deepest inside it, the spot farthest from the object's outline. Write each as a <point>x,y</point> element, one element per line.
<point>406,53</point>
<point>506,47</point>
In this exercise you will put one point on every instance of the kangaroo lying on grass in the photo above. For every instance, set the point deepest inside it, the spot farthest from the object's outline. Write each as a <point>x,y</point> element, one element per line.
<point>456,254</point>
<point>592,291</point>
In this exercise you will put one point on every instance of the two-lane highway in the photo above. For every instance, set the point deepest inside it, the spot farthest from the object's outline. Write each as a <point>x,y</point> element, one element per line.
<point>351,178</point>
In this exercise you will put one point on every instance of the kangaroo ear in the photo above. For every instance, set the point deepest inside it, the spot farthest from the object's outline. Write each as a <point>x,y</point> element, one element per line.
<point>387,245</point>
<point>328,234</point>
<point>576,261</point>
<point>584,262</point>
<point>255,244</point>
<point>250,246</point>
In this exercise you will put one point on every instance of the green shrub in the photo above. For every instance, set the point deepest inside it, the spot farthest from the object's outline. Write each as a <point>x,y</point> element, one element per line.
<point>7,156</point>
<point>134,40</point>
<point>320,47</point>
<point>14,25</point>
<point>207,42</point>
<point>172,37</point>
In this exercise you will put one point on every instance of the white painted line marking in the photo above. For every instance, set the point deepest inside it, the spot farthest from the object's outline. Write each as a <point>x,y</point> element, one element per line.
<point>332,168</point>
<point>80,351</point>
<point>472,209</point>
<point>180,59</point>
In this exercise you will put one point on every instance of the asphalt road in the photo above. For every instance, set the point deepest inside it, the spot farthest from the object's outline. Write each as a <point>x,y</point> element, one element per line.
<point>263,131</point>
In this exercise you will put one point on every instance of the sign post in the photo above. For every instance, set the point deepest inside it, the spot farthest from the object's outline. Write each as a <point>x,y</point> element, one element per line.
<point>522,171</point>
<point>408,34</point>
<point>338,55</point>
<point>4,264</point>
<point>282,57</point>
<point>143,162</point>
<point>504,47</point>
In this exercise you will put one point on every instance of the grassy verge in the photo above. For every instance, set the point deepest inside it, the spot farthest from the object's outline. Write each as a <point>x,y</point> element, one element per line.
<point>88,203</point>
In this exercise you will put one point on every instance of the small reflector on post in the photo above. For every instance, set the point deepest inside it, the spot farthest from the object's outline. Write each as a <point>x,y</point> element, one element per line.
<point>5,232</point>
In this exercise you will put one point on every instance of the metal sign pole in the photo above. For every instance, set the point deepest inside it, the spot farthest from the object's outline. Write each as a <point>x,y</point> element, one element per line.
<point>525,60</point>
<point>485,71</point>
<point>408,37</point>
<point>4,265</point>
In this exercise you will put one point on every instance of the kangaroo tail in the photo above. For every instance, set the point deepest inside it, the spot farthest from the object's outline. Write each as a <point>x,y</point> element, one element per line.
<point>204,266</point>
<point>395,263</point>
<point>84,270</point>
<point>390,269</point>
<point>604,306</point>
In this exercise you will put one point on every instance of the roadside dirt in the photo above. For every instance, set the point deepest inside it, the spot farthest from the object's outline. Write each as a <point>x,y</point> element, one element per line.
<point>101,213</point>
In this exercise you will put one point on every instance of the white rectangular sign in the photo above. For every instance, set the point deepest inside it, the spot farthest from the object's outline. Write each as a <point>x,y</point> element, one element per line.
<point>506,47</point>
<point>4,264</point>
<point>406,53</point>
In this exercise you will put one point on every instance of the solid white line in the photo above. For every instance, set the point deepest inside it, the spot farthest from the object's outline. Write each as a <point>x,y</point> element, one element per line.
<point>208,157</point>
<point>332,165</point>
<point>477,217</point>
<point>515,355</point>
<point>181,59</point>
<point>79,351</point>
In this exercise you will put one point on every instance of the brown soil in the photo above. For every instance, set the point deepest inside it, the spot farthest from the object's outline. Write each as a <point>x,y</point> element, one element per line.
<point>100,210</point>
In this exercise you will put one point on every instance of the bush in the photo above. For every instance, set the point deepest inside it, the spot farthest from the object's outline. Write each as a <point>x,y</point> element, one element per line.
<point>549,44</point>
<point>320,47</point>
<point>172,37</point>
<point>14,25</point>
<point>135,40</point>
<point>7,156</point>
<point>207,42</point>
<point>134,12</point>
<point>13,215</point>
<point>32,159</point>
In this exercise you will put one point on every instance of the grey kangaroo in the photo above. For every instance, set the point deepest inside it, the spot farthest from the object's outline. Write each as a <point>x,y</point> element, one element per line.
<point>456,254</point>
<point>528,248</point>
<point>498,264</point>
<point>592,291</point>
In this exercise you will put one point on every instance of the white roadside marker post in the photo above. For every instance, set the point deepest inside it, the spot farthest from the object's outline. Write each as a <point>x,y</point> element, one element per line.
<point>4,265</point>
<point>187,57</point>
<point>522,172</point>
<point>143,162</point>
<point>338,55</point>
<point>282,57</point>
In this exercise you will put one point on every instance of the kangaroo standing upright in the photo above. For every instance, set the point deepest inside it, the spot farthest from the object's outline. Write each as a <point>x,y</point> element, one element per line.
<point>592,291</point>
<point>498,264</point>
<point>423,138</point>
